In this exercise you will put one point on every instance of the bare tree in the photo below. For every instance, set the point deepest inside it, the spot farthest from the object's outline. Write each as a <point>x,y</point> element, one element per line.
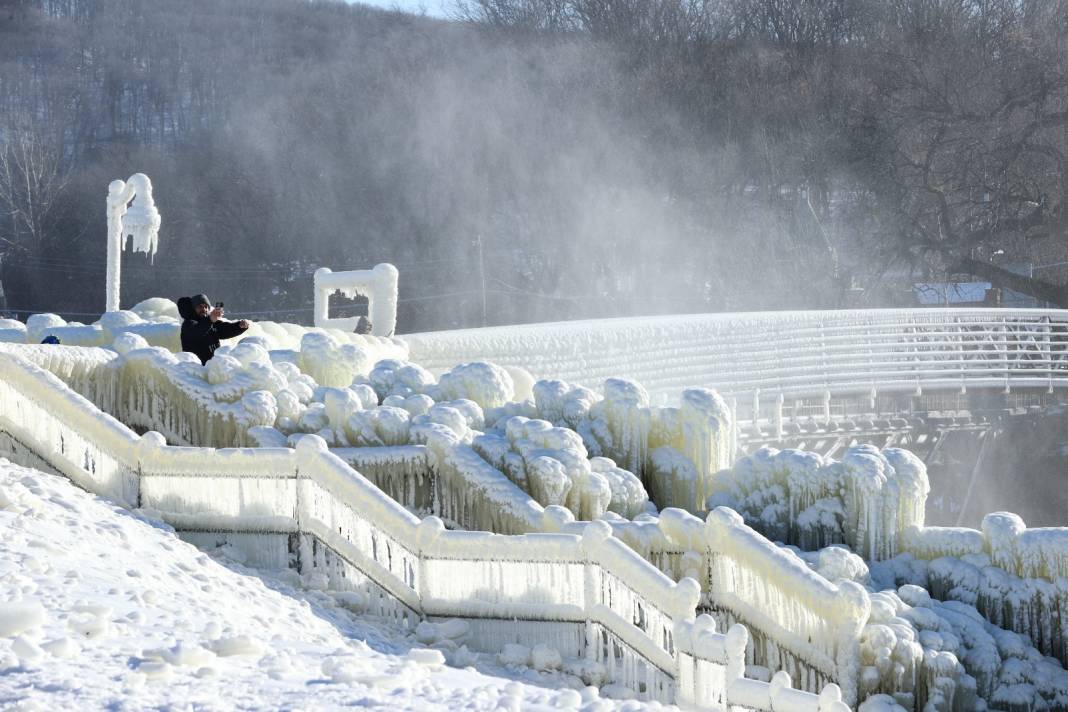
<point>33,178</point>
<point>966,144</point>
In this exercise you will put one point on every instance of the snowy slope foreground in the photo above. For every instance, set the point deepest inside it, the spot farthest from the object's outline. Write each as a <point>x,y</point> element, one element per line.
<point>101,607</point>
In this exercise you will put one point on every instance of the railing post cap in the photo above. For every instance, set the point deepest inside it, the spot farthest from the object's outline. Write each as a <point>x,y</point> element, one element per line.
<point>429,529</point>
<point>737,639</point>
<point>322,271</point>
<point>554,517</point>
<point>311,445</point>
<point>595,533</point>
<point>856,595</point>
<point>687,596</point>
<point>830,693</point>
<point>779,681</point>
<point>1003,523</point>
<point>704,622</point>
<point>724,515</point>
<point>151,440</point>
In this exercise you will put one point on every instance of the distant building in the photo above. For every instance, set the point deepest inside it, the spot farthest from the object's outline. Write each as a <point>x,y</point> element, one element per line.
<point>939,294</point>
<point>1016,300</point>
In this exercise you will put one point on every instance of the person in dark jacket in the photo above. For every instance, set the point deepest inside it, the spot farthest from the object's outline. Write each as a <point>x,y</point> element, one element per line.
<point>203,326</point>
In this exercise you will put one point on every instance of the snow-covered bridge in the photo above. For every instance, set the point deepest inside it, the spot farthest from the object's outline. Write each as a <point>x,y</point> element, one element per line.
<point>763,358</point>
<point>821,380</point>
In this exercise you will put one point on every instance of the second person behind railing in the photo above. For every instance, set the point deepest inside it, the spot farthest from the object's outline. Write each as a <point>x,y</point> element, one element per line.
<point>203,326</point>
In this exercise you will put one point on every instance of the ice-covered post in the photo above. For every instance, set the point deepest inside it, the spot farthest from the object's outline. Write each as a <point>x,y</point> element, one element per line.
<point>854,607</point>
<point>378,284</point>
<point>779,425</point>
<point>427,534</point>
<point>140,221</point>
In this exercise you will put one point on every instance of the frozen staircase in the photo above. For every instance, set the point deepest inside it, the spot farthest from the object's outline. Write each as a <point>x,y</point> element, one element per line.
<point>588,595</point>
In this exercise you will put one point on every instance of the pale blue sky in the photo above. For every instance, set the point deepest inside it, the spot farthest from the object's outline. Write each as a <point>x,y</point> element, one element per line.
<point>436,8</point>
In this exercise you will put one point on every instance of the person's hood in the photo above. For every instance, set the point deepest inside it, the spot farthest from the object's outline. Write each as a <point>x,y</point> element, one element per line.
<point>185,308</point>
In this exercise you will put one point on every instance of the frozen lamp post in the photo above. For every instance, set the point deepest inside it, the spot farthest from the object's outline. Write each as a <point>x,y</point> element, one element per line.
<point>140,221</point>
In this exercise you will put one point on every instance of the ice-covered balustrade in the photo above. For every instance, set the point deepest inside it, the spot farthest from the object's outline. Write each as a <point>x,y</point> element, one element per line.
<point>590,596</point>
<point>800,621</point>
<point>867,500</point>
<point>470,488</point>
<point>805,623</point>
<point>808,613</point>
<point>249,396</point>
<point>378,284</point>
<point>763,356</point>
<point>243,387</point>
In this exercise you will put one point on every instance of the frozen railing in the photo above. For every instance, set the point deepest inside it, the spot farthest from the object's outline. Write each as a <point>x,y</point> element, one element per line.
<point>799,621</point>
<point>766,355</point>
<point>809,625</point>
<point>627,614</point>
<point>1040,553</point>
<point>472,494</point>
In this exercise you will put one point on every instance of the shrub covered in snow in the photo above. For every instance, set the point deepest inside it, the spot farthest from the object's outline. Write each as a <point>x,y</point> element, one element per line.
<point>552,464</point>
<point>867,500</point>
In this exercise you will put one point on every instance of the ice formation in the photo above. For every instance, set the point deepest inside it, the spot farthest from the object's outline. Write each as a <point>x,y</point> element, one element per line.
<point>407,565</point>
<point>675,451</point>
<point>868,500</point>
<point>487,447</point>
<point>553,465</point>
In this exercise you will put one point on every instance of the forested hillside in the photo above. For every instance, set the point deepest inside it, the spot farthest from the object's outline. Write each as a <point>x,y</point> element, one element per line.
<point>537,159</point>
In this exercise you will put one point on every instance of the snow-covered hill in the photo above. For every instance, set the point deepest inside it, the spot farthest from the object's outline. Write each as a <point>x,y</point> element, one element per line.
<point>104,608</point>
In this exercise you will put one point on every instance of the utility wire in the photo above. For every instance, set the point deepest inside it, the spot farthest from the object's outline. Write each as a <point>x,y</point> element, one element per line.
<point>87,267</point>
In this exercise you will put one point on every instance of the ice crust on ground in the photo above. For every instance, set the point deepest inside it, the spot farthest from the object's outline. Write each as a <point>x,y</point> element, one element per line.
<point>106,607</point>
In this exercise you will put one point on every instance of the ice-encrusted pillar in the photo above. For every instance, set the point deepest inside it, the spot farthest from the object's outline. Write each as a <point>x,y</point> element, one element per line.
<point>854,608</point>
<point>140,221</point>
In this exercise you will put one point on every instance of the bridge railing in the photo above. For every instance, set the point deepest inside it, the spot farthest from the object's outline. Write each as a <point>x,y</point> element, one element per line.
<point>792,354</point>
<point>617,608</point>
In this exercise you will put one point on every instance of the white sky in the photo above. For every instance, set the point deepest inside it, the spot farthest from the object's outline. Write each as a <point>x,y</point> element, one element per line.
<point>435,8</point>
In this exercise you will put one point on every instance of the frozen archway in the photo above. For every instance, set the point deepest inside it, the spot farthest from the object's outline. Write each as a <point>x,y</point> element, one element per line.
<point>379,285</point>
